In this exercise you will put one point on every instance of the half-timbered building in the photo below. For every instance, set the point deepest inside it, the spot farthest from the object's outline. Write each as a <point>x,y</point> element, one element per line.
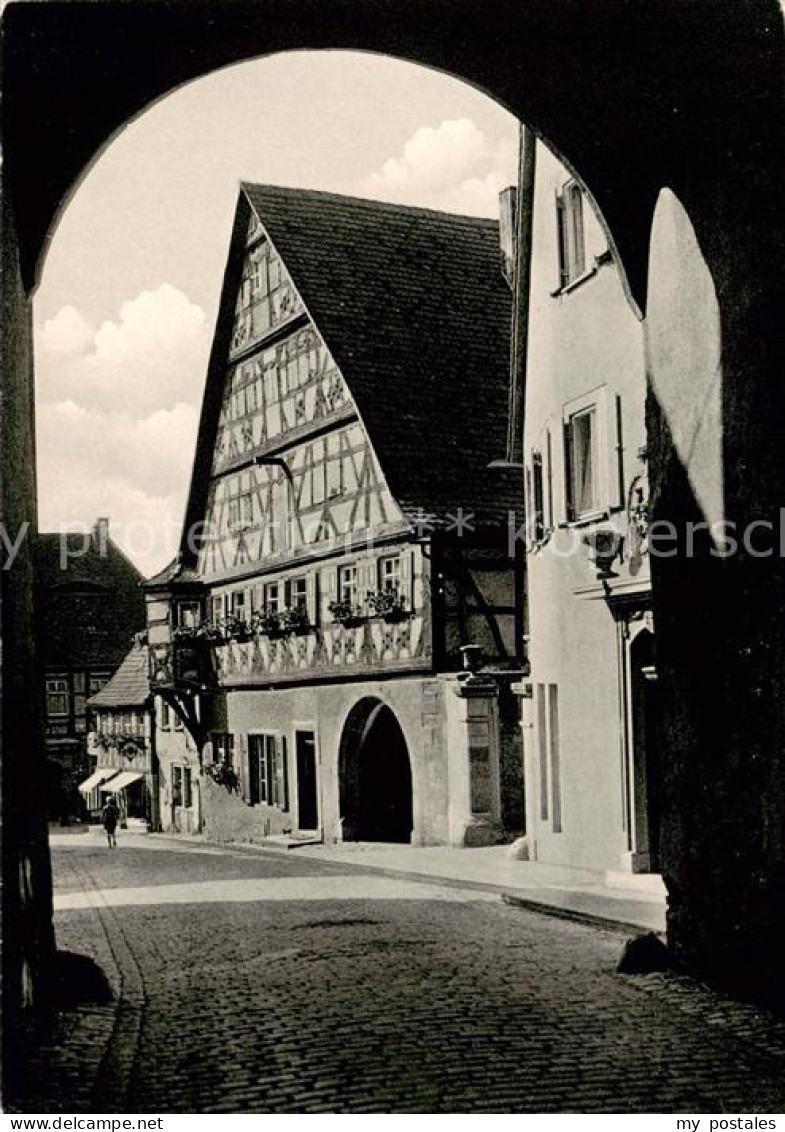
<point>344,620</point>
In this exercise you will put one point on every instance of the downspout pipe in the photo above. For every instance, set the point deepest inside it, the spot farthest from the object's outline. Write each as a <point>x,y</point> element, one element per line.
<point>521,290</point>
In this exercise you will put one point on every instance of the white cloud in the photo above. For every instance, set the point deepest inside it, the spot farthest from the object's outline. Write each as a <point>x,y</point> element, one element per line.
<point>153,356</point>
<point>66,334</point>
<point>117,417</point>
<point>94,463</point>
<point>451,166</point>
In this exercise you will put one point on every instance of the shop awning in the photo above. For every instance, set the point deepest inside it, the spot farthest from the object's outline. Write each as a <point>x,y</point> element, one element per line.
<point>97,776</point>
<point>124,778</point>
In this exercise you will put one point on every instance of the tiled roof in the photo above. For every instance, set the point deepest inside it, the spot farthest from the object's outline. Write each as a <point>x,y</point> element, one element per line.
<point>130,685</point>
<point>413,307</point>
<point>88,604</point>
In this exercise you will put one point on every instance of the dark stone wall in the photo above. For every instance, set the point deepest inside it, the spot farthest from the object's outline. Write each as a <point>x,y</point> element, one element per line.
<point>28,937</point>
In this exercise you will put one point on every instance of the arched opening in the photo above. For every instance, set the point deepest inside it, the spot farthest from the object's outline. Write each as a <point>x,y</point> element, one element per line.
<point>375,777</point>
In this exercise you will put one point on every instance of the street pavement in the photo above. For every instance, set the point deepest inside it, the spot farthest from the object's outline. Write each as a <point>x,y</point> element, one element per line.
<point>246,981</point>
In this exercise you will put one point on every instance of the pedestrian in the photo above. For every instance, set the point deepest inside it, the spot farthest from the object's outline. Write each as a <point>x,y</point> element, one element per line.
<point>110,816</point>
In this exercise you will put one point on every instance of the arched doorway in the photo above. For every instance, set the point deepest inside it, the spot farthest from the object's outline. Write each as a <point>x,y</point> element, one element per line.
<point>645,777</point>
<point>375,777</point>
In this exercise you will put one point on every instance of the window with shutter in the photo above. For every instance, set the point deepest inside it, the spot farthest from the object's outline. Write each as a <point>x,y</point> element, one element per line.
<point>571,238</point>
<point>581,458</point>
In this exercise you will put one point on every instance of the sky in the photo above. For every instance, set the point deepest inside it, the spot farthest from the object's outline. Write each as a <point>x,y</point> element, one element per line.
<point>125,311</point>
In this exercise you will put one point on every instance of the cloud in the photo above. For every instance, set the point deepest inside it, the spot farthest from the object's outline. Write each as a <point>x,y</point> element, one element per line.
<point>94,463</point>
<point>153,356</point>
<point>451,166</point>
<point>116,420</point>
<point>66,334</point>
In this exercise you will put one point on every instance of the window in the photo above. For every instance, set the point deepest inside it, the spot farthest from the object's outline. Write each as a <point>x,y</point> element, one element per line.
<point>57,696</point>
<point>217,606</point>
<point>297,593</point>
<point>272,597</point>
<point>188,614</point>
<point>267,771</point>
<point>240,511</point>
<point>182,787</point>
<point>96,682</point>
<point>239,605</point>
<point>223,747</point>
<point>581,457</point>
<point>166,716</point>
<point>347,584</point>
<point>390,574</point>
<point>572,250</point>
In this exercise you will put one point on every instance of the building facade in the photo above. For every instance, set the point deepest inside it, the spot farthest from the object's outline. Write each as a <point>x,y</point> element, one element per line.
<point>346,543</point>
<point>589,713</point>
<point>121,743</point>
<point>88,606</point>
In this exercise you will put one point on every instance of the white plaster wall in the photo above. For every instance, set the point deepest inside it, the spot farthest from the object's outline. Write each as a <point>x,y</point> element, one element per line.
<point>580,340</point>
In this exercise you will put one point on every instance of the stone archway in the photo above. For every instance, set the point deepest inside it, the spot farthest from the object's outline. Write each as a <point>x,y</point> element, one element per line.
<point>628,102</point>
<point>374,774</point>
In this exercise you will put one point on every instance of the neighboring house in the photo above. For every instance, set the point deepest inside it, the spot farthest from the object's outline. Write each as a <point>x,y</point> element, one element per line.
<point>346,536</point>
<point>122,742</point>
<point>88,604</point>
<point>591,748</point>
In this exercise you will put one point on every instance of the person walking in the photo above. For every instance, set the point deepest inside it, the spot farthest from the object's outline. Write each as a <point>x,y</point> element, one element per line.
<point>110,816</point>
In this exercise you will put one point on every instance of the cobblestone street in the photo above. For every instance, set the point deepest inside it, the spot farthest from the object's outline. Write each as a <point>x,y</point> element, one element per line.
<point>250,982</point>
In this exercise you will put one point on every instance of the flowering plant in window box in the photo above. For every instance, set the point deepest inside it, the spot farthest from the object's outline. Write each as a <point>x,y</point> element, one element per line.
<point>223,774</point>
<point>119,739</point>
<point>388,604</point>
<point>266,621</point>
<point>346,614</point>
<point>236,629</point>
<point>208,631</point>
<point>294,619</point>
<point>186,633</point>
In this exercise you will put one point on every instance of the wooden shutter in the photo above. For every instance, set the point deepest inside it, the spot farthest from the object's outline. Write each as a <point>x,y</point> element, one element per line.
<point>366,579</point>
<point>281,774</point>
<point>250,763</point>
<point>329,591</point>
<point>407,578</point>
<point>569,487</point>
<point>561,228</point>
<point>312,596</point>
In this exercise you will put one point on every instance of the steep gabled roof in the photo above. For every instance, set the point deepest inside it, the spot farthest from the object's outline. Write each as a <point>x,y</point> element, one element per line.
<point>130,685</point>
<point>413,307</point>
<point>88,601</point>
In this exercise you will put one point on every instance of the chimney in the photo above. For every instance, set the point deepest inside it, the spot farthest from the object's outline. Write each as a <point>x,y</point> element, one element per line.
<point>508,199</point>
<point>101,536</point>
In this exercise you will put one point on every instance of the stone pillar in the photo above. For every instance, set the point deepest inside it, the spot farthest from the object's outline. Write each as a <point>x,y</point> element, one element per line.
<point>28,935</point>
<point>474,802</point>
<point>525,693</point>
<point>716,419</point>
